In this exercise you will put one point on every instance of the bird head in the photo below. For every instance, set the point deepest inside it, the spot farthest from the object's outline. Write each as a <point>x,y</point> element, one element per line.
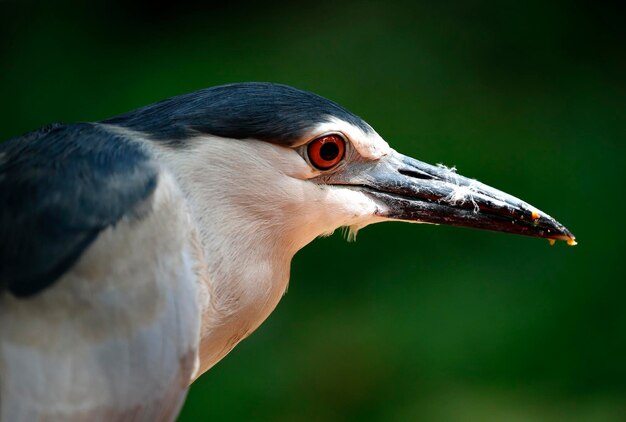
<point>290,163</point>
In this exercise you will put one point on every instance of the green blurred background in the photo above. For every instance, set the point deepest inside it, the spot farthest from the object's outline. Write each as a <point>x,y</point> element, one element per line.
<point>411,322</point>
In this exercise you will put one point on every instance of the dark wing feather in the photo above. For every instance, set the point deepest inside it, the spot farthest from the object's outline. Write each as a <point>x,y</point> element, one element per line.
<point>59,187</point>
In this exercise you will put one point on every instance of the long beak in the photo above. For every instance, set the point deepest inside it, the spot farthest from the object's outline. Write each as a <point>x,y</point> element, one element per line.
<point>411,190</point>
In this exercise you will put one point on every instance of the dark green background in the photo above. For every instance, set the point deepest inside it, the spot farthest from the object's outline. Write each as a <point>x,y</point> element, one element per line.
<point>411,322</point>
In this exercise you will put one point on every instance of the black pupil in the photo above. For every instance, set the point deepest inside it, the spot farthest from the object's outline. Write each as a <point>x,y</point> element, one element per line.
<point>329,151</point>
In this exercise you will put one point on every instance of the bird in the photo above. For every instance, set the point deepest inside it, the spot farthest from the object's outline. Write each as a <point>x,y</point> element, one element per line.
<point>137,251</point>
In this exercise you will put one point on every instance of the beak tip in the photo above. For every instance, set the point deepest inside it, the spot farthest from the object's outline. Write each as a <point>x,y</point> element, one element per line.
<point>552,229</point>
<point>563,234</point>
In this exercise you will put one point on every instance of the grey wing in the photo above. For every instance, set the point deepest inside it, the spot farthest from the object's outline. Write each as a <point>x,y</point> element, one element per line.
<point>59,187</point>
<point>98,318</point>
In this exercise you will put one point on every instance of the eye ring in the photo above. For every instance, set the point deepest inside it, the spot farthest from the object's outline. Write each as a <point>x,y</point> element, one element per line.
<point>326,151</point>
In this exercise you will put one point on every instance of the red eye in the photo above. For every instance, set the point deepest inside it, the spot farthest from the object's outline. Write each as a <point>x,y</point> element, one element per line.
<point>326,152</point>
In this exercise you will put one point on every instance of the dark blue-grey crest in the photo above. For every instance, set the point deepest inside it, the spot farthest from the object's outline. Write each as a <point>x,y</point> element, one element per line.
<point>260,110</point>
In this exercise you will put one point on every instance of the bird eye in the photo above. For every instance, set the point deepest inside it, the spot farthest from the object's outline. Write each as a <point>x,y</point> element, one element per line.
<point>326,152</point>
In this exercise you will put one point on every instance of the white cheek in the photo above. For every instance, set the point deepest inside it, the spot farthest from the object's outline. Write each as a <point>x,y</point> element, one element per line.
<point>351,207</point>
<point>293,165</point>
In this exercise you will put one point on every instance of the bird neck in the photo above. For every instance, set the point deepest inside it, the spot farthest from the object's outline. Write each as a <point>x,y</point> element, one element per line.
<point>243,240</point>
<point>240,283</point>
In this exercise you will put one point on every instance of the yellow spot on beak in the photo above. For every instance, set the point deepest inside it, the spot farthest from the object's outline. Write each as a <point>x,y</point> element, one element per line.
<point>572,242</point>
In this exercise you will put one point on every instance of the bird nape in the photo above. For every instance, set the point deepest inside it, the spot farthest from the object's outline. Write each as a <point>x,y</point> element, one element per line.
<point>136,252</point>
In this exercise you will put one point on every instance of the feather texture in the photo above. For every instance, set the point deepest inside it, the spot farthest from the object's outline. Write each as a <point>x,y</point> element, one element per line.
<point>115,335</point>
